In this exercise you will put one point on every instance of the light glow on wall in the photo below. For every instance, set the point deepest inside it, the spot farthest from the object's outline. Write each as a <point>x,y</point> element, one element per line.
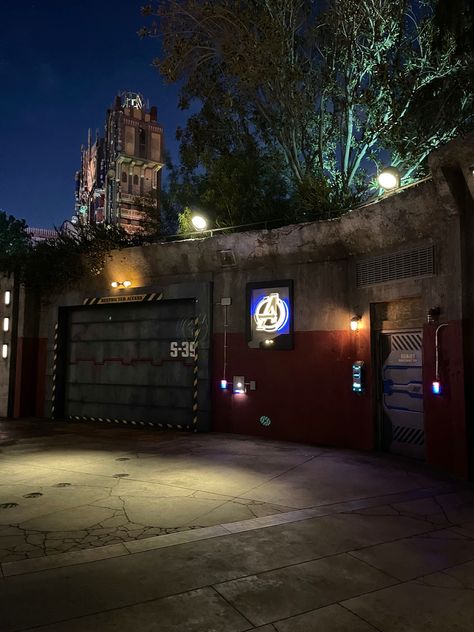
<point>5,351</point>
<point>238,384</point>
<point>6,323</point>
<point>116,284</point>
<point>355,323</point>
<point>8,297</point>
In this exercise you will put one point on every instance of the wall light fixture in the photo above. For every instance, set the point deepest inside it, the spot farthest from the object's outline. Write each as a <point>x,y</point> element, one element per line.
<point>355,323</point>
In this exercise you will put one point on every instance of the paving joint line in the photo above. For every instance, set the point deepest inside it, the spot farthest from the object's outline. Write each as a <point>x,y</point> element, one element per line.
<point>356,614</point>
<point>214,589</point>
<point>301,518</point>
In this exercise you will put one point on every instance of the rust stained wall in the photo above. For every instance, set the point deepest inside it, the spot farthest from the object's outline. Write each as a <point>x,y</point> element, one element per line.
<point>307,392</point>
<point>445,418</point>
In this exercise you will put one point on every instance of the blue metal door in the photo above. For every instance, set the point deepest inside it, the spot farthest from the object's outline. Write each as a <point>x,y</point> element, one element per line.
<point>402,396</point>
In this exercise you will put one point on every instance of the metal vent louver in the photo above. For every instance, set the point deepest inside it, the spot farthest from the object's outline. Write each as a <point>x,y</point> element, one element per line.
<point>227,258</point>
<point>393,267</point>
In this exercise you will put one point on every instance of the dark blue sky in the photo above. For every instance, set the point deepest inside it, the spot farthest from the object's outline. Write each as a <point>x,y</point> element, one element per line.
<point>61,64</point>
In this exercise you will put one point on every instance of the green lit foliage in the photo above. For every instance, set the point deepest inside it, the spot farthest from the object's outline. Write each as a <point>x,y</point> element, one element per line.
<point>15,243</point>
<point>185,224</point>
<point>325,92</point>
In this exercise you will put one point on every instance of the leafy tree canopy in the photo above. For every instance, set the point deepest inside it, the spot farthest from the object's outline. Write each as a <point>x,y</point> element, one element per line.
<point>73,255</point>
<point>56,264</point>
<point>302,101</point>
<point>15,242</point>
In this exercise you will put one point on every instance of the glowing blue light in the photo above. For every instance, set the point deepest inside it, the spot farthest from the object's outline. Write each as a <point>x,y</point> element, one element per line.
<point>223,384</point>
<point>436,388</point>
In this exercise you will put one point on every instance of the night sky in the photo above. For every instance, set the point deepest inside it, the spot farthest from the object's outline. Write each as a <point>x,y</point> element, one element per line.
<point>61,64</point>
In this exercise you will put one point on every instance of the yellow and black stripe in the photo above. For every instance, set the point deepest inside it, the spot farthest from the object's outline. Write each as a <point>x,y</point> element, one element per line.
<point>138,298</point>
<point>131,422</point>
<point>196,373</point>
<point>55,371</point>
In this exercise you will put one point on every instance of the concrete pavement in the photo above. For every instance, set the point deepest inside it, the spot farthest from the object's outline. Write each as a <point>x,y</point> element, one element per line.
<point>289,538</point>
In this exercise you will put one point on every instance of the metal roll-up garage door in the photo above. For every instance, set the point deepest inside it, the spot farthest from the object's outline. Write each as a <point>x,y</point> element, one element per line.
<point>132,362</point>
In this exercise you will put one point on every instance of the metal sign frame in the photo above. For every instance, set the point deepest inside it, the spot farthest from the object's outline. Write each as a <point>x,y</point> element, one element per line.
<point>272,304</point>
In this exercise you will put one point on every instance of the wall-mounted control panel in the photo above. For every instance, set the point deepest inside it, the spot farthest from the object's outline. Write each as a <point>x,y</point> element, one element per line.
<point>358,376</point>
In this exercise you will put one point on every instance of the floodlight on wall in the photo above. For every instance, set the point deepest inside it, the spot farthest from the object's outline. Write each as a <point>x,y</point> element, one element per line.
<point>355,323</point>
<point>117,284</point>
<point>389,178</point>
<point>6,323</point>
<point>5,351</point>
<point>7,297</point>
<point>199,221</point>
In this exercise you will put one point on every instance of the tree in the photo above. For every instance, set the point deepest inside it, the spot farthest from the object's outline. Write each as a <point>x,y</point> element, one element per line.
<point>73,255</point>
<point>235,188</point>
<point>335,88</point>
<point>15,243</point>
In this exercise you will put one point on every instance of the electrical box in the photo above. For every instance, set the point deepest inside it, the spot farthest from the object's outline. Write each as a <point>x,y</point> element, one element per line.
<point>358,376</point>
<point>238,384</point>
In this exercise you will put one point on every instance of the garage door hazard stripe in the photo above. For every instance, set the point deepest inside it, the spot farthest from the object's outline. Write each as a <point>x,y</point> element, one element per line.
<point>55,368</point>
<point>131,422</point>
<point>196,370</point>
<point>124,298</point>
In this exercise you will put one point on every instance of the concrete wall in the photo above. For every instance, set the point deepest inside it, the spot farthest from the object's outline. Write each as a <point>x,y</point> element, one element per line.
<point>306,392</point>
<point>6,311</point>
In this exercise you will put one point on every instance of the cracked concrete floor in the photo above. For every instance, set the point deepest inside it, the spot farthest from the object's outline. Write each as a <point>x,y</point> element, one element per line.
<point>69,487</point>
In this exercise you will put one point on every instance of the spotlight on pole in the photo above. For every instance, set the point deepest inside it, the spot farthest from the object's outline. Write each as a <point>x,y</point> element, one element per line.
<point>199,221</point>
<point>389,178</point>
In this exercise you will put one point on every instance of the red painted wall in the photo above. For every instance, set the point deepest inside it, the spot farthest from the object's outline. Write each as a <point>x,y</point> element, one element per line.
<point>445,419</point>
<point>306,392</point>
<point>30,377</point>
<point>41,376</point>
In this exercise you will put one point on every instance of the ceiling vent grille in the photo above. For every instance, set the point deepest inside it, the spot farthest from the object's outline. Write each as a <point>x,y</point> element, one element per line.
<point>393,267</point>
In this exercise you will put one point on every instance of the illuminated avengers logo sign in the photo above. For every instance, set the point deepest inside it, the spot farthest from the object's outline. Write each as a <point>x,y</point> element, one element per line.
<point>270,315</point>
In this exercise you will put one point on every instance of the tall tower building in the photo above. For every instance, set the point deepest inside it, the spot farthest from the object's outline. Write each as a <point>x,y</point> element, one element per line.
<point>122,167</point>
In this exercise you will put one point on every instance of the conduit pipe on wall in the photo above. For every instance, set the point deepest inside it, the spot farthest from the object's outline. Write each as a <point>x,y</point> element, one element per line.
<point>225,302</point>
<point>437,349</point>
<point>226,324</point>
